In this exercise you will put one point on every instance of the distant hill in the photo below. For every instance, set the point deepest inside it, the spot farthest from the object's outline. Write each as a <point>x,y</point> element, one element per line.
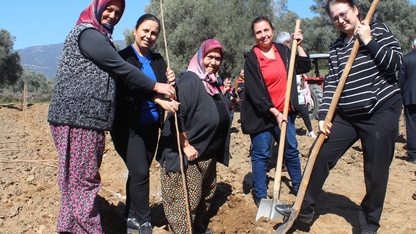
<point>44,58</point>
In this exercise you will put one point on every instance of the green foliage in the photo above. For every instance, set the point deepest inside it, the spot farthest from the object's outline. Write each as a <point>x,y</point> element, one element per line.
<point>128,37</point>
<point>10,68</point>
<point>38,88</point>
<point>319,32</point>
<point>189,22</point>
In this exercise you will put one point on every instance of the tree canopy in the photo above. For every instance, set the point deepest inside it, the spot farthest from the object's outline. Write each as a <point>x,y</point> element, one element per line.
<point>189,22</point>
<point>319,32</point>
<point>10,68</point>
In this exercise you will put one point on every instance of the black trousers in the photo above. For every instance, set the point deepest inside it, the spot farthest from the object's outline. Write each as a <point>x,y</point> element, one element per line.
<point>410,117</point>
<point>378,133</point>
<point>140,152</point>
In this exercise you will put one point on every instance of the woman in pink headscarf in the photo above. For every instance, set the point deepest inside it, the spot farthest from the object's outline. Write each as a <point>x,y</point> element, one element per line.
<point>203,121</point>
<point>82,109</point>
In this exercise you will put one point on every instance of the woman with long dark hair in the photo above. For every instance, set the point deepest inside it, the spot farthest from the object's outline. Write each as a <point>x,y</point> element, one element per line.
<point>138,118</point>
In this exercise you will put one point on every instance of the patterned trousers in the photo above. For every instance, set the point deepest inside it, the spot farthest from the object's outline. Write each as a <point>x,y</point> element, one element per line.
<point>80,153</point>
<point>201,185</point>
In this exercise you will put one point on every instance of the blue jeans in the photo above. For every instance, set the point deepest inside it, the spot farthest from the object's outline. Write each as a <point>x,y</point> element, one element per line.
<point>261,143</point>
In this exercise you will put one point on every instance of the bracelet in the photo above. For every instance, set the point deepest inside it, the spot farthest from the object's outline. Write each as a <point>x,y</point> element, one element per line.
<point>277,115</point>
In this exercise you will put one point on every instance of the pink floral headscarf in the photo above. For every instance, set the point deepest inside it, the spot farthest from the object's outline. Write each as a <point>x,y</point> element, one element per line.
<point>92,15</point>
<point>197,65</point>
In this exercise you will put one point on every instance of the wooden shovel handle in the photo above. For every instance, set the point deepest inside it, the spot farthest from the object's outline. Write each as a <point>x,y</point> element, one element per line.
<point>321,138</point>
<point>278,175</point>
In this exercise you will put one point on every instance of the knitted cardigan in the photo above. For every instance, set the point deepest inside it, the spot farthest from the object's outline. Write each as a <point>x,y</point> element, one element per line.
<point>83,93</point>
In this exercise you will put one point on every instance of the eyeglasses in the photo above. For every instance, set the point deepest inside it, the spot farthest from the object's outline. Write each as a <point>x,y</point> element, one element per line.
<point>342,15</point>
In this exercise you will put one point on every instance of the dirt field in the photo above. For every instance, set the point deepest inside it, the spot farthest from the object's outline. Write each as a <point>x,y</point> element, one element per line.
<point>30,197</point>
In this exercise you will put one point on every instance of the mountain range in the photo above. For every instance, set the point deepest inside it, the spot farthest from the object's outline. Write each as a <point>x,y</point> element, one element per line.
<point>45,58</point>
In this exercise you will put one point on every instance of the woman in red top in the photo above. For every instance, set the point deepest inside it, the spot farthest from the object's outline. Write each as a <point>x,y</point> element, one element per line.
<point>265,71</point>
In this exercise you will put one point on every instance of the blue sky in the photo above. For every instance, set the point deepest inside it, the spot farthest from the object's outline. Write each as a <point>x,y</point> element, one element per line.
<point>43,22</point>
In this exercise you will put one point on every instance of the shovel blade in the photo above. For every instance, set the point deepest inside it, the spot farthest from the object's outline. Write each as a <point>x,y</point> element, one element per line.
<point>266,209</point>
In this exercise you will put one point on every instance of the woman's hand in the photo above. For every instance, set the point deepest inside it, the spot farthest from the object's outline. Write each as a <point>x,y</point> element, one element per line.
<point>326,130</point>
<point>280,118</point>
<point>165,89</point>
<point>364,32</point>
<point>190,152</point>
<point>297,36</point>
<point>168,104</point>
<point>170,74</point>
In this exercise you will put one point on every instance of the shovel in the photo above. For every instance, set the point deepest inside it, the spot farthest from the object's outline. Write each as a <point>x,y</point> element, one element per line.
<point>266,207</point>
<point>287,224</point>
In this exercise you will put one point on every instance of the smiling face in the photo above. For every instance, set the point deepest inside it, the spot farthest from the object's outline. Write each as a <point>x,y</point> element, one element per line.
<point>344,17</point>
<point>263,33</point>
<point>212,61</point>
<point>112,13</point>
<point>146,35</point>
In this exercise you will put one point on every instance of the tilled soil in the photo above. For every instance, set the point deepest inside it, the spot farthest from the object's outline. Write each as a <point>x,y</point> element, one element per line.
<point>29,195</point>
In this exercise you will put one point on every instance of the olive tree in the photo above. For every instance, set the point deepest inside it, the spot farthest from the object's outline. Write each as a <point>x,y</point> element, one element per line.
<point>10,68</point>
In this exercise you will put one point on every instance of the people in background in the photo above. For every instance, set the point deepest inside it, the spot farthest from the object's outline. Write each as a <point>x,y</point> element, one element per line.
<point>239,88</point>
<point>304,94</point>
<point>230,95</point>
<point>82,109</point>
<point>304,97</point>
<point>368,110</point>
<point>407,83</point>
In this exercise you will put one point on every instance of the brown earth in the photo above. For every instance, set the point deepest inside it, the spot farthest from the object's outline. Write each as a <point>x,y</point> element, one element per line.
<point>29,196</point>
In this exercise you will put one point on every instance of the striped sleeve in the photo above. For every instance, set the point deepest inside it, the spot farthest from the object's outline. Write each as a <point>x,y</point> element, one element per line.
<point>372,78</point>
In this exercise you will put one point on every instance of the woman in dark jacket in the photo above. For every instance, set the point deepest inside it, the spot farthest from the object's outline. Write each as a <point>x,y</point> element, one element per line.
<point>265,74</point>
<point>203,122</point>
<point>138,119</point>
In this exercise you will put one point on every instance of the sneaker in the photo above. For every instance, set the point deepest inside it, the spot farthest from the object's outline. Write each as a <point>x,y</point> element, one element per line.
<point>133,225</point>
<point>410,159</point>
<point>286,210</point>
<point>146,228</point>
<point>311,134</point>
<point>257,200</point>
<point>368,232</point>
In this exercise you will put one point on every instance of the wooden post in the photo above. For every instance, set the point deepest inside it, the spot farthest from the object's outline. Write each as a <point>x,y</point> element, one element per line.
<point>24,105</point>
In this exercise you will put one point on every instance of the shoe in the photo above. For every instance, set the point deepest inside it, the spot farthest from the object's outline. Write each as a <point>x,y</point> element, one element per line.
<point>133,225</point>
<point>203,230</point>
<point>410,159</point>
<point>257,200</point>
<point>294,192</point>
<point>311,134</point>
<point>286,210</point>
<point>368,232</point>
<point>146,228</point>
